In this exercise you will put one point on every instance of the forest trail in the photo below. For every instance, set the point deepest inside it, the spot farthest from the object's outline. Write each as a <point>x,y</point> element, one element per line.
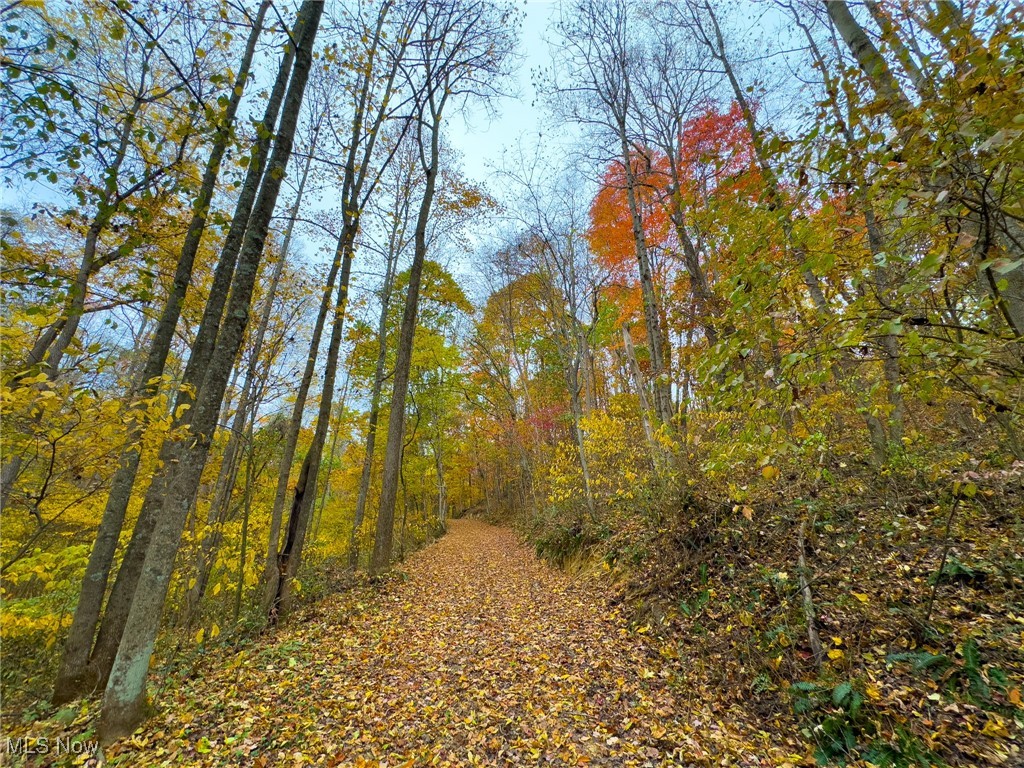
<point>483,655</point>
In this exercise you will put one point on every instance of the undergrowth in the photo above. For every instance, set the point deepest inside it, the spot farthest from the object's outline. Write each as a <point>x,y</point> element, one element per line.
<point>921,632</point>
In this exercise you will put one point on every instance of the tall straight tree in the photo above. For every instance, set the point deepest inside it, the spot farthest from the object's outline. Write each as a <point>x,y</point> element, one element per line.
<point>463,48</point>
<point>125,694</point>
<point>377,70</point>
<point>598,55</point>
<point>121,594</point>
<point>400,193</point>
<point>73,677</point>
<point>245,409</point>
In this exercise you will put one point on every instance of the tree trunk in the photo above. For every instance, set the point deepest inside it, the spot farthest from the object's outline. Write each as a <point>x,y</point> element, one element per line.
<point>634,370</point>
<point>124,697</point>
<point>656,341</point>
<point>55,340</point>
<point>876,245</point>
<point>810,615</point>
<point>230,462</point>
<point>442,489</point>
<point>73,678</point>
<point>331,455</point>
<point>572,376</point>
<point>246,514</point>
<point>699,287</point>
<point>352,202</point>
<point>378,386</point>
<point>295,424</point>
<point>383,540</point>
<point>287,559</point>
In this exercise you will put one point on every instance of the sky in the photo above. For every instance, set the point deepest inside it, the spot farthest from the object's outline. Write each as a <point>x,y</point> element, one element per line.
<point>481,139</point>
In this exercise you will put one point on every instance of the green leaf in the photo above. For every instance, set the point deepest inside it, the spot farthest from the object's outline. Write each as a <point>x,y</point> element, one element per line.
<point>841,692</point>
<point>972,654</point>
<point>1005,266</point>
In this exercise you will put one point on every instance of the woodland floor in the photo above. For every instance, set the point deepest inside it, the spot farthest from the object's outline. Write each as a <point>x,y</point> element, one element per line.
<point>476,654</point>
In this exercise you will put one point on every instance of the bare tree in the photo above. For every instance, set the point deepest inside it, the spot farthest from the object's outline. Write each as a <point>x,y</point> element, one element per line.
<point>400,189</point>
<point>378,100</point>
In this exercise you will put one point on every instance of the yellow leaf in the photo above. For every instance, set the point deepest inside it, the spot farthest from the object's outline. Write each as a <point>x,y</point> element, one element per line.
<point>200,635</point>
<point>872,691</point>
<point>769,472</point>
<point>995,727</point>
<point>835,654</point>
<point>748,512</point>
<point>214,631</point>
<point>860,596</point>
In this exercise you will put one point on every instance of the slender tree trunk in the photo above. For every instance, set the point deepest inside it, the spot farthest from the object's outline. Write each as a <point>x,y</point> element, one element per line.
<point>876,245</point>
<point>331,455</point>
<point>230,462</point>
<point>375,396</point>
<point>589,375</point>
<point>889,342</point>
<point>73,678</point>
<point>124,698</point>
<point>295,424</point>
<point>383,540</point>
<point>638,382</point>
<point>572,376</point>
<point>356,171</point>
<point>442,489</point>
<point>656,341</point>
<point>699,286</point>
<point>246,514</point>
<point>288,558</point>
<point>107,207</point>
<point>810,614</point>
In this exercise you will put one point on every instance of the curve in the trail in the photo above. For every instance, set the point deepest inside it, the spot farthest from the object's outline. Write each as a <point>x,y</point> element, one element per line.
<point>481,655</point>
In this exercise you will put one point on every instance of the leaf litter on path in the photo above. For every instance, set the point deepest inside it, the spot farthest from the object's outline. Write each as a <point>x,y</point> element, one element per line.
<point>481,655</point>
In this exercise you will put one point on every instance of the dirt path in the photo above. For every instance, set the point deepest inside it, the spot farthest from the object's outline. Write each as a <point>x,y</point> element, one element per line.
<point>483,656</point>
